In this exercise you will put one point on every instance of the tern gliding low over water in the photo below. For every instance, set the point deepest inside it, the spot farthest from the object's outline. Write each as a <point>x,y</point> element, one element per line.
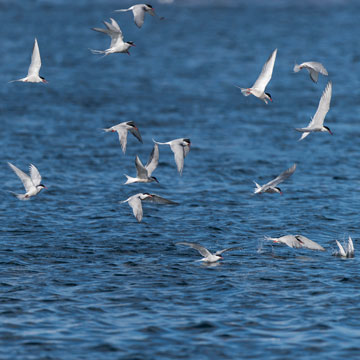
<point>297,241</point>
<point>139,11</point>
<point>271,186</point>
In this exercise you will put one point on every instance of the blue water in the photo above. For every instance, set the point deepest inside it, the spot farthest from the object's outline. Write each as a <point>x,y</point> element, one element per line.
<point>81,279</point>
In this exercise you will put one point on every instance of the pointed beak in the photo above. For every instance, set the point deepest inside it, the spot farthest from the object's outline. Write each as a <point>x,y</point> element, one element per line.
<point>330,132</point>
<point>45,81</point>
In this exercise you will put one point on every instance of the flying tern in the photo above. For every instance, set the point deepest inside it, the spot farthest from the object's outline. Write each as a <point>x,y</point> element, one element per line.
<point>32,183</point>
<point>139,11</point>
<point>271,186</point>
<point>317,122</point>
<point>314,68</point>
<point>297,241</point>
<point>143,173</point>
<point>34,68</point>
<point>258,89</point>
<point>122,129</point>
<point>136,205</point>
<point>208,257</point>
<point>117,44</point>
<point>180,148</point>
<point>346,251</point>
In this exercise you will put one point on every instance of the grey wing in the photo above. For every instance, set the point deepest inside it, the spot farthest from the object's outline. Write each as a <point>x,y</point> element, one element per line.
<point>136,133</point>
<point>316,66</point>
<point>266,72</point>
<point>314,75</point>
<point>35,64</point>
<point>179,155</point>
<point>350,249</point>
<point>159,200</point>
<point>135,204</point>
<point>153,160</point>
<point>323,108</point>
<point>26,180</point>
<point>141,171</point>
<point>202,250</point>
<point>186,150</point>
<point>309,244</point>
<point>228,249</point>
<point>122,137</point>
<point>35,175</point>
<point>284,175</point>
<point>139,15</point>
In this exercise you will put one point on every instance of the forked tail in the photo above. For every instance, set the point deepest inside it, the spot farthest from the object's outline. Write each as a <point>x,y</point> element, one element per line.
<point>258,187</point>
<point>245,92</point>
<point>20,196</point>
<point>129,180</point>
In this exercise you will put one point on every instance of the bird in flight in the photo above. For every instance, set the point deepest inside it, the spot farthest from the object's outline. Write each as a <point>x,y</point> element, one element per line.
<point>258,89</point>
<point>271,187</point>
<point>143,173</point>
<point>314,68</point>
<point>297,241</point>
<point>317,122</point>
<point>139,11</point>
<point>208,257</point>
<point>34,68</point>
<point>32,183</point>
<point>117,44</point>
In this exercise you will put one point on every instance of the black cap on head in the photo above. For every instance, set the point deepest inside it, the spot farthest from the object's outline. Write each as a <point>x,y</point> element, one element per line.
<point>187,140</point>
<point>278,188</point>
<point>130,42</point>
<point>148,5</point>
<point>131,123</point>
<point>268,94</point>
<point>154,178</point>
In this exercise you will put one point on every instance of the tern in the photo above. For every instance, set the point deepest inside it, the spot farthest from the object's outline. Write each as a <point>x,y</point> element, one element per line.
<point>135,203</point>
<point>316,123</point>
<point>117,44</point>
<point>139,11</point>
<point>208,257</point>
<point>180,148</point>
<point>258,89</point>
<point>34,68</point>
<point>314,68</point>
<point>32,183</point>
<point>271,186</point>
<point>297,241</point>
<point>143,173</point>
<point>122,129</point>
<point>346,251</point>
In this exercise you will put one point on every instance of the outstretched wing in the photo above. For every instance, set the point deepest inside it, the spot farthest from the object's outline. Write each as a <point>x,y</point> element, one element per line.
<point>228,249</point>
<point>122,137</point>
<point>35,65</point>
<point>26,180</point>
<point>179,154</point>
<point>307,243</point>
<point>135,204</point>
<point>35,175</point>
<point>159,200</point>
<point>266,72</point>
<point>153,160</point>
<point>202,250</point>
<point>284,175</point>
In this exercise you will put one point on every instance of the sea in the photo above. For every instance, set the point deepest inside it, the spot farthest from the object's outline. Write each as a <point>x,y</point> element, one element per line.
<point>81,278</point>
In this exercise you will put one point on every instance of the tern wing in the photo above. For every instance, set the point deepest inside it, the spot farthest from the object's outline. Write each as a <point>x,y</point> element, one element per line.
<point>35,65</point>
<point>135,131</point>
<point>324,105</point>
<point>26,180</point>
<point>316,66</point>
<point>160,200</point>
<point>141,171</point>
<point>341,249</point>
<point>202,250</point>
<point>266,72</point>
<point>228,249</point>
<point>153,160</point>
<point>307,243</point>
<point>122,137</point>
<point>139,15</point>
<point>135,204</point>
<point>350,248</point>
<point>179,154</point>
<point>283,176</point>
<point>35,175</point>
<point>314,75</point>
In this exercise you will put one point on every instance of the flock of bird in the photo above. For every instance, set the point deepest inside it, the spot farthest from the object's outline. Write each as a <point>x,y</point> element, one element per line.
<point>181,146</point>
